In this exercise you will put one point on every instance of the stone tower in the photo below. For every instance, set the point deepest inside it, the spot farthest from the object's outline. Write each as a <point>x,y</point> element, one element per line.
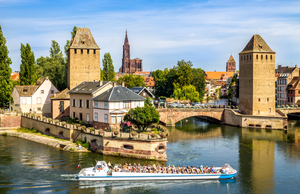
<point>129,66</point>
<point>257,78</point>
<point>84,58</point>
<point>231,64</point>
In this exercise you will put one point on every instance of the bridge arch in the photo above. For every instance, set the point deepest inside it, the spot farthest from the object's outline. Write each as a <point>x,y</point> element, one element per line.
<point>171,116</point>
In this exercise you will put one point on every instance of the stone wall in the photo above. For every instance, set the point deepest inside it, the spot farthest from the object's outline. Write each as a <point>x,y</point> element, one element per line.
<point>10,120</point>
<point>171,116</point>
<point>233,118</point>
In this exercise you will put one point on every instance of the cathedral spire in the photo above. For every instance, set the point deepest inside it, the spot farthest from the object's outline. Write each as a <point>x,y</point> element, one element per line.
<point>126,38</point>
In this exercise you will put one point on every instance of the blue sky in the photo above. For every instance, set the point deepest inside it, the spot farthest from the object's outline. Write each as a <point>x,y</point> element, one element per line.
<point>160,32</point>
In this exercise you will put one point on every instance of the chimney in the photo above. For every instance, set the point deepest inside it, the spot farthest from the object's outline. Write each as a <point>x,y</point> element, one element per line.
<point>296,66</point>
<point>123,84</point>
<point>114,84</point>
<point>100,82</point>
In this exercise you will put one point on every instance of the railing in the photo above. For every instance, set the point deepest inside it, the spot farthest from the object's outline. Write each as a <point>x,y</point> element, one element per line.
<point>203,107</point>
<point>93,131</point>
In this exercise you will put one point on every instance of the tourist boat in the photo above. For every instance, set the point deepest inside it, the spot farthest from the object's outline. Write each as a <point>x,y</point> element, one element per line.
<point>100,173</point>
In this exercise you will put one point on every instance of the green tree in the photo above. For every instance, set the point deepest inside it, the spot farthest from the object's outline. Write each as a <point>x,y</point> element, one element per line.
<point>185,75</point>
<point>147,101</point>
<point>28,74</point>
<point>142,117</point>
<point>199,81</point>
<point>108,68</point>
<point>186,93</point>
<point>54,67</point>
<point>69,42</point>
<point>160,82</point>
<point>183,62</point>
<point>132,81</point>
<point>233,81</point>
<point>6,85</point>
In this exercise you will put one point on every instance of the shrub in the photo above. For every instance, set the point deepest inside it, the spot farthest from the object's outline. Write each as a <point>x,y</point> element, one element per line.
<point>153,129</point>
<point>116,132</point>
<point>83,144</point>
<point>133,133</point>
<point>4,134</point>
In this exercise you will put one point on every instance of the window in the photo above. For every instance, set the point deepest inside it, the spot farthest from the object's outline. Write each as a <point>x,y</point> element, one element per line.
<point>128,147</point>
<point>39,109</point>
<point>258,99</point>
<point>298,91</point>
<point>241,58</point>
<point>113,119</point>
<point>74,114</point>
<point>42,91</point>
<point>256,56</point>
<point>96,104</point>
<point>61,106</point>
<point>80,104</point>
<point>87,104</point>
<point>94,51</point>
<point>144,94</point>
<point>247,57</point>
<point>127,103</point>
<point>137,103</point>
<point>271,57</point>
<point>262,56</point>
<point>96,117</point>
<point>117,105</point>
<point>119,119</point>
<point>250,57</point>
<point>75,51</point>
<point>38,100</point>
<point>88,51</point>
<point>270,110</point>
<point>74,103</point>
<point>268,99</point>
<point>52,91</point>
<point>105,105</point>
<point>244,57</point>
<point>266,57</point>
<point>80,116</point>
<point>23,100</point>
<point>258,112</point>
<point>105,118</point>
<point>88,117</point>
<point>81,51</point>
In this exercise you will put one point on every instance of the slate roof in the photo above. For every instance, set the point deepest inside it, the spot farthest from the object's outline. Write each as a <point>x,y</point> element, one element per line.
<point>84,39</point>
<point>289,70</point>
<point>257,44</point>
<point>63,95</point>
<point>138,90</point>
<point>88,87</point>
<point>118,93</point>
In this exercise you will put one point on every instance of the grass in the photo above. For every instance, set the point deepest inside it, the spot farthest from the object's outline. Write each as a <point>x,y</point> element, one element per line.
<point>25,130</point>
<point>4,134</point>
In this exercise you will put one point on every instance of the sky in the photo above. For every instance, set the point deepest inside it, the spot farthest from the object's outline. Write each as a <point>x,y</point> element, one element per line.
<point>161,32</point>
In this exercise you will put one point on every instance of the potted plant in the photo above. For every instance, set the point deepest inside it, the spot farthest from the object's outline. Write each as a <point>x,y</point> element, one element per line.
<point>101,132</point>
<point>91,129</point>
<point>56,121</point>
<point>38,117</point>
<point>77,125</point>
<point>153,135</point>
<point>63,124</point>
<point>133,133</point>
<point>116,132</point>
<point>49,120</point>
<point>32,116</point>
<point>27,114</point>
<point>43,118</point>
<point>83,128</point>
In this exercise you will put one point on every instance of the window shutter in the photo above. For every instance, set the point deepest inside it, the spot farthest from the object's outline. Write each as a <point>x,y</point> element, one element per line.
<point>72,102</point>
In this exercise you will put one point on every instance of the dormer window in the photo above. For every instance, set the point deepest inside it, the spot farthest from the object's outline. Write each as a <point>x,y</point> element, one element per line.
<point>42,91</point>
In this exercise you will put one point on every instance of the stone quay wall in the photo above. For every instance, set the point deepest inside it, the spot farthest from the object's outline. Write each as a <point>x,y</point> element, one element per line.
<point>170,116</point>
<point>269,122</point>
<point>124,144</point>
<point>10,120</point>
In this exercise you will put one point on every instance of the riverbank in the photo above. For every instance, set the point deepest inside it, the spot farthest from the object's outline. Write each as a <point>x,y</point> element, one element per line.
<point>44,139</point>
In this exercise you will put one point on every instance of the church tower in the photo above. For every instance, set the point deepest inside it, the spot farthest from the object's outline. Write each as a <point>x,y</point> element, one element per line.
<point>256,78</point>
<point>126,56</point>
<point>84,58</point>
<point>231,65</point>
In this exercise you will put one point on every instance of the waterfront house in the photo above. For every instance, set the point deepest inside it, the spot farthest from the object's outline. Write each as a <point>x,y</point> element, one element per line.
<point>35,98</point>
<point>142,91</point>
<point>111,106</point>
<point>60,105</point>
<point>81,96</point>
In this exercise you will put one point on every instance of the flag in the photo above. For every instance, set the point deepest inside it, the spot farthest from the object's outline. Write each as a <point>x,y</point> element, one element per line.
<point>78,165</point>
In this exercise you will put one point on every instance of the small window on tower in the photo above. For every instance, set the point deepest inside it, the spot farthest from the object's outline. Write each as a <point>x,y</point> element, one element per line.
<point>268,99</point>
<point>266,57</point>
<point>75,51</point>
<point>271,57</point>
<point>250,57</point>
<point>88,51</point>
<point>247,57</point>
<point>256,56</point>
<point>94,51</point>
<point>258,99</point>
<point>81,51</point>
<point>262,56</point>
<point>241,58</point>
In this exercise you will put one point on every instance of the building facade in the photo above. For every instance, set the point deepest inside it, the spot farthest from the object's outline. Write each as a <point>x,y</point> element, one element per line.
<point>293,92</point>
<point>60,105</point>
<point>84,58</point>
<point>231,64</point>
<point>129,66</point>
<point>256,79</point>
<point>283,80</point>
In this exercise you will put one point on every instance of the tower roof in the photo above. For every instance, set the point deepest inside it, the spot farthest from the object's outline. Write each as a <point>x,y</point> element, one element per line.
<point>257,44</point>
<point>84,39</point>
<point>126,39</point>
<point>231,59</point>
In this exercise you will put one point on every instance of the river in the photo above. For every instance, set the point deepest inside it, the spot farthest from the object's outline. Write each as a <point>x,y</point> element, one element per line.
<point>267,162</point>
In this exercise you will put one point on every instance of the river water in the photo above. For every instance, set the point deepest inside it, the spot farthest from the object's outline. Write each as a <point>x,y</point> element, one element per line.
<point>267,162</point>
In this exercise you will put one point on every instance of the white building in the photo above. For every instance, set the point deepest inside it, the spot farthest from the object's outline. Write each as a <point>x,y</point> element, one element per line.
<point>34,98</point>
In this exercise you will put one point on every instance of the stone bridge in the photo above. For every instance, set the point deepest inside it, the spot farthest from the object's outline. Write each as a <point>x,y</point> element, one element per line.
<point>170,116</point>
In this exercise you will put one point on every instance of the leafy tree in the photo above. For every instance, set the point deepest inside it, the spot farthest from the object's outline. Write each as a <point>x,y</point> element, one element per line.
<point>199,81</point>
<point>54,67</point>
<point>147,101</point>
<point>186,93</point>
<point>69,42</point>
<point>183,62</point>
<point>27,68</point>
<point>6,85</point>
<point>185,75</point>
<point>219,92</point>
<point>108,72</point>
<point>142,117</point>
<point>229,91</point>
<point>160,82</point>
<point>132,81</point>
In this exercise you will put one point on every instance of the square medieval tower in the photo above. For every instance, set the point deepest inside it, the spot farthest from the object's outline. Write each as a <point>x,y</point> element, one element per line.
<point>84,58</point>
<point>257,78</point>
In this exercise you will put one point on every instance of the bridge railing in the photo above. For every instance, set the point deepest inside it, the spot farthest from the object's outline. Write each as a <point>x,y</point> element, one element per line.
<point>206,107</point>
<point>288,106</point>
